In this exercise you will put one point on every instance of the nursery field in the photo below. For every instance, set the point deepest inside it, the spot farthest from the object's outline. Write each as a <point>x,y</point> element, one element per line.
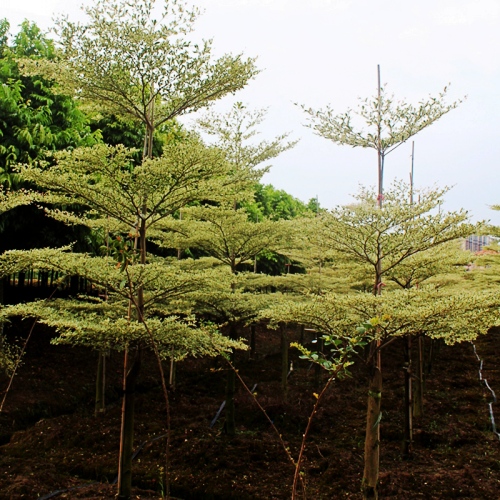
<point>139,213</point>
<point>54,447</point>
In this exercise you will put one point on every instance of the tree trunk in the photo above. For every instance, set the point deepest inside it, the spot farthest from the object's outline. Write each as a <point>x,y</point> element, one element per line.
<point>285,346</point>
<point>100,385</point>
<point>129,385</point>
<point>372,437</point>
<point>127,429</point>
<point>172,374</point>
<point>408,410</point>
<point>418,405</point>
<point>230,424</point>
<point>132,375</point>
<point>252,341</point>
<point>433,347</point>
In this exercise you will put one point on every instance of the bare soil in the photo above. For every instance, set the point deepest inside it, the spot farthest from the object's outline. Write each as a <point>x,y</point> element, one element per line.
<point>54,447</point>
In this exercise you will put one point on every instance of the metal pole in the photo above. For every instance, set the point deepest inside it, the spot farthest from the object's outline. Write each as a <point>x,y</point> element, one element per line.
<point>378,279</point>
<point>379,144</point>
<point>411,173</point>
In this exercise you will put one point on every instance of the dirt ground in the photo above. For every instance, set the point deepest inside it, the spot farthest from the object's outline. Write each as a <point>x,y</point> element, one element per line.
<point>54,447</point>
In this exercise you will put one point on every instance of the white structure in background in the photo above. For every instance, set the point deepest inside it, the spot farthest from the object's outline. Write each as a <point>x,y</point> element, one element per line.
<point>476,243</point>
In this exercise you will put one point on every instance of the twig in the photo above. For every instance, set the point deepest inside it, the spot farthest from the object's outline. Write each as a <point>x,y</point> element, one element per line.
<point>297,474</point>
<point>261,408</point>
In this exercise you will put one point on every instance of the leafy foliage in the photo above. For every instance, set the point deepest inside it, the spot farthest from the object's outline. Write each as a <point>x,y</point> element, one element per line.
<point>104,179</point>
<point>234,132</point>
<point>134,66</point>
<point>228,235</point>
<point>454,317</point>
<point>382,239</point>
<point>275,204</point>
<point>35,116</point>
<point>389,122</point>
<point>104,325</point>
<point>12,199</point>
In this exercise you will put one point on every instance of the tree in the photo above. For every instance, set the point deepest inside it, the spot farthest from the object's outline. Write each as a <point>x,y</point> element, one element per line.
<point>129,201</point>
<point>136,67</point>
<point>225,232</point>
<point>380,239</point>
<point>390,124</point>
<point>234,132</point>
<point>128,64</point>
<point>232,239</point>
<point>452,316</point>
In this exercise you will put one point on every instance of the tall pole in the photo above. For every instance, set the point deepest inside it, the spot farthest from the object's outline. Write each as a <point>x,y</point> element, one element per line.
<point>408,413</point>
<point>372,432</point>
<point>378,270</point>
<point>379,143</point>
<point>417,401</point>
<point>411,171</point>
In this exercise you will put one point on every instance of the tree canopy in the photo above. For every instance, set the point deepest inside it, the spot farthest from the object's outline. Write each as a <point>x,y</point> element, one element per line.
<point>381,239</point>
<point>132,65</point>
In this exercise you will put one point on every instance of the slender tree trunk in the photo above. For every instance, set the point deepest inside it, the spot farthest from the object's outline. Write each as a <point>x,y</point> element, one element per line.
<point>430,358</point>
<point>418,406</point>
<point>285,345</point>
<point>131,375</point>
<point>372,436</point>
<point>100,384</point>
<point>230,425</point>
<point>127,429</point>
<point>252,341</point>
<point>172,374</point>
<point>373,415</point>
<point>408,407</point>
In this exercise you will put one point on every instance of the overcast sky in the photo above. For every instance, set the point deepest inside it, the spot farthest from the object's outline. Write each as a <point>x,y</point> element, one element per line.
<point>320,52</point>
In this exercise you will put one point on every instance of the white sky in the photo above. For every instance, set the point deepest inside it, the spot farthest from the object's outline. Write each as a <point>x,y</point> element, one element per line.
<point>317,52</point>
